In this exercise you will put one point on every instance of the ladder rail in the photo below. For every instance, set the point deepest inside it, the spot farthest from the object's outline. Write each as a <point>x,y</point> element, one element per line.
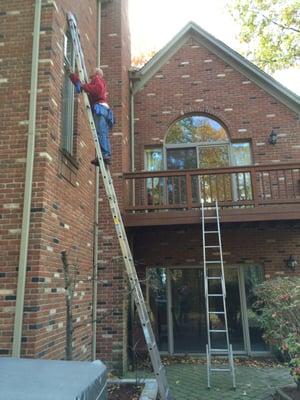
<point>206,287</point>
<point>135,287</point>
<point>223,274</point>
<point>207,278</point>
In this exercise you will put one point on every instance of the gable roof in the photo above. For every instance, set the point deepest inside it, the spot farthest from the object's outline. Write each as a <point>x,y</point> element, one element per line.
<point>227,54</point>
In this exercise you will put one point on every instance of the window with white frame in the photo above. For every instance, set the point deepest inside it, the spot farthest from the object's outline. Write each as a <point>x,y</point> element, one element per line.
<point>201,141</point>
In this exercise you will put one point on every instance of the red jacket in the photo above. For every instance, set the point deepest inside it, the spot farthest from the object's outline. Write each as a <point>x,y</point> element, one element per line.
<point>96,89</point>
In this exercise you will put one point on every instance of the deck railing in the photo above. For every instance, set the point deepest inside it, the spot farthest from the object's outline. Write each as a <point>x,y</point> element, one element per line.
<point>247,186</point>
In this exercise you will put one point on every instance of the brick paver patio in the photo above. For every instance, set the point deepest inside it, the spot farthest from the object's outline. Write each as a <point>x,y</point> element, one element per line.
<point>188,382</point>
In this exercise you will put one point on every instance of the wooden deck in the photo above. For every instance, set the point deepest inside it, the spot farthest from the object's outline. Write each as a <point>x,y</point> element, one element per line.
<point>253,193</point>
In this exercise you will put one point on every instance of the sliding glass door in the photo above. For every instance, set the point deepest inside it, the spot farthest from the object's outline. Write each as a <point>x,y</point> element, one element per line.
<point>188,310</point>
<point>177,303</point>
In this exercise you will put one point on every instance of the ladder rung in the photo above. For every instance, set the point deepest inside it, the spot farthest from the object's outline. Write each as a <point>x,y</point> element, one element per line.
<point>211,231</point>
<point>219,350</point>
<point>213,262</point>
<point>216,312</point>
<point>212,217</point>
<point>215,295</point>
<point>217,330</point>
<point>220,369</point>
<point>214,277</point>
<point>212,247</point>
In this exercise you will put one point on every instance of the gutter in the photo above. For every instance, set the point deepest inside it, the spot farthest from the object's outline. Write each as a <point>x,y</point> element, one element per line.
<point>96,214</point>
<point>16,350</point>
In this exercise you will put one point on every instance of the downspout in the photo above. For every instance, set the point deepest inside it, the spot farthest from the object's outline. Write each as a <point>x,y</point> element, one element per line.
<point>16,350</point>
<point>132,128</point>
<point>96,222</point>
<point>132,141</point>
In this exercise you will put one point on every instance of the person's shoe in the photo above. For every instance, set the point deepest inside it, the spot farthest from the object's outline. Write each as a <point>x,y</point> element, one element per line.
<point>95,162</point>
<point>107,161</point>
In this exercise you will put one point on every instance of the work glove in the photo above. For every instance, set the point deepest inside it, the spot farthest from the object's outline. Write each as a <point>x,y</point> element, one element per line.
<point>78,88</point>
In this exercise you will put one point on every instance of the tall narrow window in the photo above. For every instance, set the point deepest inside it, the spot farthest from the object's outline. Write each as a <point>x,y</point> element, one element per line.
<point>154,162</point>
<point>68,97</point>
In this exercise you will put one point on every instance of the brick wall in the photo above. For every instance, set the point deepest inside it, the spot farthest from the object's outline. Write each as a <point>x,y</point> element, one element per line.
<point>62,215</point>
<point>196,80</point>
<point>113,293</point>
<point>63,189</point>
<point>268,244</point>
<point>15,55</point>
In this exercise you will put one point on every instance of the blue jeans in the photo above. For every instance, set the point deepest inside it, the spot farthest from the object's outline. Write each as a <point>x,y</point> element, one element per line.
<point>102,131</point>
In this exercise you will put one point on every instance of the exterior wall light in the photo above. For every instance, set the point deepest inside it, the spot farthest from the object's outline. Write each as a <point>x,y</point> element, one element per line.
<point>291,263</point>
<point>272,137</point>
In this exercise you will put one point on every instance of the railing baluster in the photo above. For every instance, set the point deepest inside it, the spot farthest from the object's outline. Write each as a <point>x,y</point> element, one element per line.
<point>217,188</point>
<point>180,194</point>
<point>189,195</point>
<point>270,184</point>
<point>293,183</point>
<point>145,192</point>
<point>210,191</point>
<point>224,188</point>
<point>253,178</point>
<point>238,186</point>
<point>245,187</point>
<point>278,184</point>
<point>173,189</point>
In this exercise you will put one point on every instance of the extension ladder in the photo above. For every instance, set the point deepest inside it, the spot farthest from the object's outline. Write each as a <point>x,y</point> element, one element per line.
<point>158,367</point>
<point>215,296</point>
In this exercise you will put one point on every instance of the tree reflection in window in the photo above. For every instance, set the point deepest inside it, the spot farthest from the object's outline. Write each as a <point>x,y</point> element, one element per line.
<point>195,129</point>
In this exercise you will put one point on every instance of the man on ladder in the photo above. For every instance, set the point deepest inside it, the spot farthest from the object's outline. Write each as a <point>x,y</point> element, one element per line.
<point>103,115</point>
<point>89,104</point>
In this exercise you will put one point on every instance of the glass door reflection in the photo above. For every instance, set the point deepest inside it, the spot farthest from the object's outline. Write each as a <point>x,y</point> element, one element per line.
<point>185,158</point>
<point>157,298</point>
<point>188,311</point>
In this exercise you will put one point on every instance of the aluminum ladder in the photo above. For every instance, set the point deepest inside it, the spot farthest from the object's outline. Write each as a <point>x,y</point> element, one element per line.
<point>158,367</point>
<point>215,292</point>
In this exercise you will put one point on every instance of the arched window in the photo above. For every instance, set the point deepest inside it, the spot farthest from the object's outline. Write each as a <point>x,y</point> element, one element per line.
<point>196,129</point>
<point>201,141</point>
<point>197,141</point>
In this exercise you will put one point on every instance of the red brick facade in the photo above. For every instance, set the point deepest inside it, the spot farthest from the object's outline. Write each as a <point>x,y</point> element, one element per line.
<point>62,209</point>
<point>195,80</point>
<point>266,244</point>
<point>62,213</point>
<point>113,294</point>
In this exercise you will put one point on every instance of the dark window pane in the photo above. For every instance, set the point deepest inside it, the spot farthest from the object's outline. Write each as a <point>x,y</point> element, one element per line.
<point>158,305</point>
<point>68,97</point>
<point>181,158</point>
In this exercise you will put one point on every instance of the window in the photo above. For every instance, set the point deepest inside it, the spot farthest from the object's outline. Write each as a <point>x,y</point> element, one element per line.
<point>154,185</point>
<point>195,129</point>
<point>68,97</point>
<point>177,303</point>
<point>240,154</point>
<point>200,141</point>
<point>154,159</point>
